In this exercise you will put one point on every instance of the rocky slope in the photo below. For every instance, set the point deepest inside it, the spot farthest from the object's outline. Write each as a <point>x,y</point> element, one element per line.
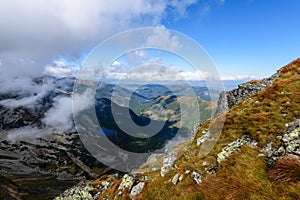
<point>256,156</point>
<point>36,159</point>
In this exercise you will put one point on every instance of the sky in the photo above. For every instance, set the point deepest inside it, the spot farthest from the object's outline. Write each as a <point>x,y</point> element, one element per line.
<point>249,38</point>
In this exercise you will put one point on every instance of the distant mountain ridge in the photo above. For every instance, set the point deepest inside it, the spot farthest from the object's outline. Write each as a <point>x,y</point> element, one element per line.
<point>31,149</point>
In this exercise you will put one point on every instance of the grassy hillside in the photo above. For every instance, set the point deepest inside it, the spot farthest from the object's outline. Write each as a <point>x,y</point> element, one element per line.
<point>171,106</point>
<point>244,175</point>
<point>254,130</point>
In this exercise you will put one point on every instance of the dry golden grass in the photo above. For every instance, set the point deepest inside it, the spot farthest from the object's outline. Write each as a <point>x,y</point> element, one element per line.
<point>286,169</point>
<point>294,66</point>
<point>243,175</point>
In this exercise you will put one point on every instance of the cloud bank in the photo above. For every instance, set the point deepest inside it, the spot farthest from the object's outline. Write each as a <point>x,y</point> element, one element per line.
<point>60,116</point>
<point>157,73</point>
<point>33,33</point>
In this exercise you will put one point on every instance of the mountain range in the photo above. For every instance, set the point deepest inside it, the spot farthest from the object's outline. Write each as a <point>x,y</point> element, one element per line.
<point>255,157</point>
<point>41,153</point>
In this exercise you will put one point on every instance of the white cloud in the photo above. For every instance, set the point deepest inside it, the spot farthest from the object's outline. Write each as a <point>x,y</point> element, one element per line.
<point>140,57</point>
<point>26,133</point>
<point>158,73</point>
<point>239,77</point>
<point>33,33</point>
<point>60,69</point>
<point>181,6</point>
<point>83,101</point>
<point>26,101</point>
<point>28,95</point>
<point>162,38</point>
<point>21,85</point>
<point>41,30</point>
<point>60,63</point>
<point>60,115</point>
<point>116,63</point>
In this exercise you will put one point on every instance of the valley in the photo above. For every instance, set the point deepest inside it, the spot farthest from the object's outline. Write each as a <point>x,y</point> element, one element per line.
<point>31,149</point>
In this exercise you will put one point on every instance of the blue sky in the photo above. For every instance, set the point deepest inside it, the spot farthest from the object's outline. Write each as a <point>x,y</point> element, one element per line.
<point>249,37</point>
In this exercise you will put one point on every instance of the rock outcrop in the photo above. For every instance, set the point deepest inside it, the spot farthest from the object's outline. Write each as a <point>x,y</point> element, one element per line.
<point>169,159</point>
<point>290,143</point>
<point>78,192</point>
<point>175,179</point>
<point>204,137</point>
<point>127,182</point>
<point>137,189</point>
<point>196,177</point>
<point>232,147</point>
<point>230,98</point>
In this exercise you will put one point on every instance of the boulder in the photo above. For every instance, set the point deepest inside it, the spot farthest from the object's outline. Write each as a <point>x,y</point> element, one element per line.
<point>197,177</point>
<point>127,182</point>
<point>169,159</point>
<point>175,179</point>
<point>232,147</point>
<point>137,189</point>
<point>80,191</point>
<point>290,143</point>
<point>204,137</point>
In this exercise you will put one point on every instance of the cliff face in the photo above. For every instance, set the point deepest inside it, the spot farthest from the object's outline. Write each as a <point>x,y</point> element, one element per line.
<point>256,156</point>
<point>230,98</point>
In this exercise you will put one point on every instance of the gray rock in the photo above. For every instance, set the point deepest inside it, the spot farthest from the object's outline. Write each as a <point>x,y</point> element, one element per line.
<point>169,159</point>
<point>181,177</point>
<point>105,185</point>
<point>290,143</point>
<point>137,189</point>
<point>268,148</point>
<point>291,140</point>
<point>78,192</point>
<point>194,131</point>
<point>232,147</point>
<point>127,182</point>
<point>203,138</point>
<point>196,177</point>
<point>175,179</point>
<point>96,196</point>
<point>228,99</point>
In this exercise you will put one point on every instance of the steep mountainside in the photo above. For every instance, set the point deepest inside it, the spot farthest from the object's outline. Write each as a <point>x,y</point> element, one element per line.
<point>35,159</point>
<point>256,156</point>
